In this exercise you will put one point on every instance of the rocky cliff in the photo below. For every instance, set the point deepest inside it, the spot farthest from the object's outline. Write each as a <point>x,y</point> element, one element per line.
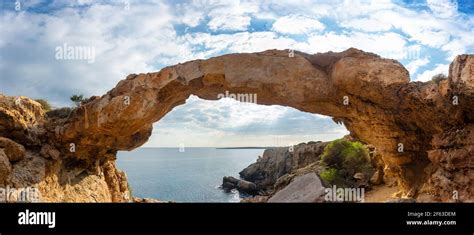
<point>423,131</point>
<point>280,162</point>
<point>30,156</point>
<point>280,167</point>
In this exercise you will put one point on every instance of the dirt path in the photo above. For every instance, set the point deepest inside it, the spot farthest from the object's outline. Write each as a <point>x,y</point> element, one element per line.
<point>380,193</point>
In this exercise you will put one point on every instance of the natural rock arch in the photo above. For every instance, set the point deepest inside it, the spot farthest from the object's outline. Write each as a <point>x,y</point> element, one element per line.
<point>408,123</point>
<point>384,109</point>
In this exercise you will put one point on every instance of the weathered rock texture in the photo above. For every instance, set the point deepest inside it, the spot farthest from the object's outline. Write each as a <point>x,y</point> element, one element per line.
<point>384,109</point>
<point>229,183</point>
<point>30,156</point>
<point>281,164</point>
<point>279,167</point>
<point>304,188</point>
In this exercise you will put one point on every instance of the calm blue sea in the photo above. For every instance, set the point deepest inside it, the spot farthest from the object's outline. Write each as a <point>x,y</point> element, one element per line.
<point>190,176</point>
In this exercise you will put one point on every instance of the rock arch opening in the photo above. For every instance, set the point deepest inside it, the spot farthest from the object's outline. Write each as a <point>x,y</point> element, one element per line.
<point>230,123</point>
<point>198,143</point>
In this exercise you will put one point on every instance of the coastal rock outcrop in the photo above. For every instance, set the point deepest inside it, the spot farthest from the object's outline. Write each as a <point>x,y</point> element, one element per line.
<point>278,162</point>
<point>229,183</point>
<point>412,125</point>
<point>280,167</point>
<point>304,188</point>
<point>31,157</point>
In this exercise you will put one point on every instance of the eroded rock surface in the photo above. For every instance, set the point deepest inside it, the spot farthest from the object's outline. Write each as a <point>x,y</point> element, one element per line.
<point>411,124</point>
<point>31,157</point>
<point>14,151</point>
<point>278,162</point>
<point>229,183</point>
<point>304,188</point>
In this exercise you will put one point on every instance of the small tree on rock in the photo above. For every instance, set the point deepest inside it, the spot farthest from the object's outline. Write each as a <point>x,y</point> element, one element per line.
<point>77,99</point>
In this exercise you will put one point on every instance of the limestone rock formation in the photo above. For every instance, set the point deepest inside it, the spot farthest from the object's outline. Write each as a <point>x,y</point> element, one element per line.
<point>278,162</point>
<point>304,188</point>
<point>229,183</point>
<point>5,167</point>
<point>30,156</point>
<point>14,151</point>
<point>423,131</point>
<point>279,167</point>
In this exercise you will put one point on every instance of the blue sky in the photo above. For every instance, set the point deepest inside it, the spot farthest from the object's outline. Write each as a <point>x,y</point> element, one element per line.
<point>143,36</point>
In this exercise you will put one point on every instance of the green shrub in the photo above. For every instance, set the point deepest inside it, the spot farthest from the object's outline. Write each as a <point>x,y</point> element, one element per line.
<point>438,78</point>
<point>347,158</point>
<point>329,175</point>
<point>44,104</point>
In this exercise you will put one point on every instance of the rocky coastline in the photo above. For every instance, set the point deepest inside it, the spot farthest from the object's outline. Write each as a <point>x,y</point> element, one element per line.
<point>273,173</point>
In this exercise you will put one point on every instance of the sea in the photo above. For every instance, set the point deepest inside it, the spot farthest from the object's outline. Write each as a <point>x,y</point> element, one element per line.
<point>184,175</point>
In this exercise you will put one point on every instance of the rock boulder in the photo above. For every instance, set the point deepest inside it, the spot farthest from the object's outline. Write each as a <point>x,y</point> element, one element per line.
<point>229,183</point>
<point>304,188</point>
<point>5,168</point>
<point>14,151</point>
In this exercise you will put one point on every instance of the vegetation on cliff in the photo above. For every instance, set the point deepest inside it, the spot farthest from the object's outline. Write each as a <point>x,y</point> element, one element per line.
<point>438,78</point>
<point>45,105</point>
<point>77,99</point>
<point>343,159</point>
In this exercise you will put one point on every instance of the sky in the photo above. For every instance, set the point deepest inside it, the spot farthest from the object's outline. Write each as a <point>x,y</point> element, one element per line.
<point>123,36</point>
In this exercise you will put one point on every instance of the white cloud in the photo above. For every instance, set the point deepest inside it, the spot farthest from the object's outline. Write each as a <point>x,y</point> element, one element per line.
<point>230,15</point>
<point>297,24</point>
<point>229,22</point>
<point>189,14</point>
<point>238,114</point>
<point>227,122</point>
<point>258,41</point>
<point>458,46</point>
<point>414,65</point>
<point>443,8</point>
<point>427,75</point>
<point>125,41</point>
<point>348,9</point>
<point>439,26</point>
<point>387,44</point>
<point>238,42</point>
<point>367,25</point>
<point>420,26</point>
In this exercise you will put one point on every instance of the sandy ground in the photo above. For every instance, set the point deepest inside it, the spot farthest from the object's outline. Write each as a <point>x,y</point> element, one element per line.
<point>380,193</point>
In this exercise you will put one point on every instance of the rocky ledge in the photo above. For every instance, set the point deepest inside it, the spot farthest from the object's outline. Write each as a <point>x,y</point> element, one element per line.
<point>424,132</point>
